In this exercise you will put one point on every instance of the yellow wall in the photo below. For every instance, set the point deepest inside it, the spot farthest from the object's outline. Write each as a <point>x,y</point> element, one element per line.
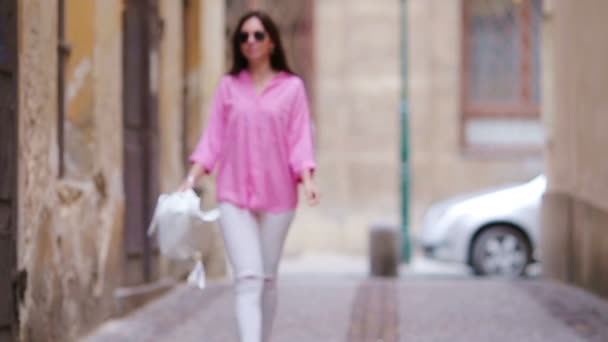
<point>80,34</point>
<point>193,61</point>
<point>79,137</point>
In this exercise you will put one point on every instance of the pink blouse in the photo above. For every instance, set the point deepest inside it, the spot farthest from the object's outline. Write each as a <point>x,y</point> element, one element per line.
<point>261,143</point>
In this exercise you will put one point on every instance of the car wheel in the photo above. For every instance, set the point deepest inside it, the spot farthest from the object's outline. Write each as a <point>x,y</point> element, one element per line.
<point>501,251</point>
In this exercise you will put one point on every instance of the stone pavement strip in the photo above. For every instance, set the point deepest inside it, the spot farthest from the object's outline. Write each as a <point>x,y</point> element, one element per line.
<point>353,309</point>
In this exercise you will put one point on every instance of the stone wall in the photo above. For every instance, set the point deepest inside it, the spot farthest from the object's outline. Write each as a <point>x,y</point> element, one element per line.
<point>70,228</point>
<point>356,104</point>
<point>575,207</point>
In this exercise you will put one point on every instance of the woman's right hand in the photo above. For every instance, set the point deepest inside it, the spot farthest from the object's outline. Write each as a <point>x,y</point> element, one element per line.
<point>185,186</point>
<point>190,181</point>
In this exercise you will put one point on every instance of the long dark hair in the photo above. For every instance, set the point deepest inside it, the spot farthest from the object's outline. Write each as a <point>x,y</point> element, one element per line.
<point>278,61</point>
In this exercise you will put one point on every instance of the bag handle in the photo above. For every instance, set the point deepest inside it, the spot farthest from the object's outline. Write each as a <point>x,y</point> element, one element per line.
<point>208,216</point>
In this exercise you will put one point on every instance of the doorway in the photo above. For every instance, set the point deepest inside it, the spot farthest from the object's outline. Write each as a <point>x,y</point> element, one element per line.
<point>141,29</point>
<point>8,169</point>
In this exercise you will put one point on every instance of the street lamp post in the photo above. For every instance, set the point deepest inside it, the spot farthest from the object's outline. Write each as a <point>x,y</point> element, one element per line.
<point>405,165</point>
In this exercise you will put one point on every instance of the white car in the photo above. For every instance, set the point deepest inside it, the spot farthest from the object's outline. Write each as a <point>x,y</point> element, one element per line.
<point>496,232</point>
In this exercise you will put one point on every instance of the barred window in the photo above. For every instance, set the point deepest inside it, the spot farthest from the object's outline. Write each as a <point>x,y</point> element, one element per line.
<point>502,57</point>
<point>501,69</point>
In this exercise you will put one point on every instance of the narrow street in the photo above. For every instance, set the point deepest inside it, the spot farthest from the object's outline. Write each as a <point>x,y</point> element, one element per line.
<point>350,307</point>
<point>342,135</point>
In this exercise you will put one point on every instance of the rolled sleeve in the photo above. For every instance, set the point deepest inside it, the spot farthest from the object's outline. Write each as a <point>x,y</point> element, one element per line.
<point>301,149</point>
<point>209,147</point>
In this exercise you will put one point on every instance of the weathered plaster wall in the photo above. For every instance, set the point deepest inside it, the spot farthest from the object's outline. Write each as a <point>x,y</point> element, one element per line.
<point>70,231</point>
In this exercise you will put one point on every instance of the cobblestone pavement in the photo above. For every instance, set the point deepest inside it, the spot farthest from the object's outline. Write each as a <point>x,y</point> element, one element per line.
<point>353,309</point>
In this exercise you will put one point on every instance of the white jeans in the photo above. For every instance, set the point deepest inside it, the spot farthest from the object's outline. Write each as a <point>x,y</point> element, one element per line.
<point>254,243</point>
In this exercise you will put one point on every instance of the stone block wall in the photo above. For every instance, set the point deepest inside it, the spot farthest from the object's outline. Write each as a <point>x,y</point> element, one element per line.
<point>575,207</point>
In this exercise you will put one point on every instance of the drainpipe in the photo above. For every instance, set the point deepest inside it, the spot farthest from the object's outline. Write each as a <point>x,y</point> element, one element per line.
<point>406,249</point>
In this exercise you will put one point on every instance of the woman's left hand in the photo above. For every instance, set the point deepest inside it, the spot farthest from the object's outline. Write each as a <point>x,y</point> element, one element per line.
<point>313,196</point>
<point>312,193</point>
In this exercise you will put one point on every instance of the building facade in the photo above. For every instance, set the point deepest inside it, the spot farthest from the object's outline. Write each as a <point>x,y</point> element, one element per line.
<point>101,97</point>
<point>575,206</point>
<point>474,97</point>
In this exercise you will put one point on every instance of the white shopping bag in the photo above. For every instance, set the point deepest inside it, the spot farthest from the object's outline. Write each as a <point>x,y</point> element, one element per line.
<point>173,224</point>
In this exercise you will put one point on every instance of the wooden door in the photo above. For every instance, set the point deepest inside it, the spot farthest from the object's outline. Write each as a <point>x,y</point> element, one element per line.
<point>8,169</point>
<point>140,106</point>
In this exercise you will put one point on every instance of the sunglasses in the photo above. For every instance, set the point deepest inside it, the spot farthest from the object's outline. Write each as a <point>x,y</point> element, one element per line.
<point>257,35</point>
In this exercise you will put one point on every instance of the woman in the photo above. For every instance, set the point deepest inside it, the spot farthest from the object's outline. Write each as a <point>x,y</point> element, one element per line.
<point>259,137</point>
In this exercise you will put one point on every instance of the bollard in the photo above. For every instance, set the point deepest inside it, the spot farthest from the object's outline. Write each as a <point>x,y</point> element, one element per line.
<point>384,249</point>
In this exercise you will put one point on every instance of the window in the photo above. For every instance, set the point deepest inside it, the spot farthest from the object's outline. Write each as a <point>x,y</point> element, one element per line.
<point>501,73</point>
